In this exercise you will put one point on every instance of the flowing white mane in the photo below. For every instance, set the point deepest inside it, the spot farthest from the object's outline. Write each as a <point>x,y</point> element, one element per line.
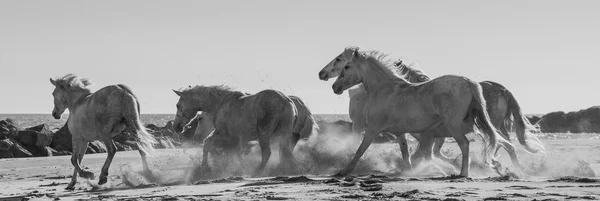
<point>73,83</point>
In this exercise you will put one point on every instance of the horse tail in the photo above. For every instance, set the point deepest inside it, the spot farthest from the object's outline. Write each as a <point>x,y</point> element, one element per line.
<point>309,124</point>
<point>287,125</point>
<point>523,127</point>
<point>144,139</point>
<point>483,122</point>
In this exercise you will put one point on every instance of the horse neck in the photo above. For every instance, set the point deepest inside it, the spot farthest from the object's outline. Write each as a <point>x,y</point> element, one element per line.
<point>75,99</point>
<point>216,101</point>
<point>373,78</point>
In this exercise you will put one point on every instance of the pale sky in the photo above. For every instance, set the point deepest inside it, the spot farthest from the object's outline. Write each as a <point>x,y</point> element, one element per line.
<point>547,53</point>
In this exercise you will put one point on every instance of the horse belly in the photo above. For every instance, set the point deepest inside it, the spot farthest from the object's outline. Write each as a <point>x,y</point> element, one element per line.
<point>82,129</point>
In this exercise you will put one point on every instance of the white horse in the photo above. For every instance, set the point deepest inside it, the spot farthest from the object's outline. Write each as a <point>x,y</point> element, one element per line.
<point>98,116</point>
<point>451,104</point>
<point>503,109</point>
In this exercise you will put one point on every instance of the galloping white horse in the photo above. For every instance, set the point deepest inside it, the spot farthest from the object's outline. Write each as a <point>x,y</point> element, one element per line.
<point>502,107</point>
<point>98,116</point>
<point>449,104</point>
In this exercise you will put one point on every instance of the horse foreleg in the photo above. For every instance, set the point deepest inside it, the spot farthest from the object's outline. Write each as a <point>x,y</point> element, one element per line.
<point>265,149</point>
<point>111,150</point>
<point>401,138</point>
<point>208,146</point>
<point>71,185</point>
<point>79,148</point>
<point>366,142</point>
<point>424,150</point>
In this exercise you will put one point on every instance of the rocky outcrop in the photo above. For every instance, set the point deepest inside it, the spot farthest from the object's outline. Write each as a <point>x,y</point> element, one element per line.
<point>10,148</point>
<point>61,140</point>
<point>96,147</point>
<point>582,121</point>
<point>8,129</point>
<point>40,136</point>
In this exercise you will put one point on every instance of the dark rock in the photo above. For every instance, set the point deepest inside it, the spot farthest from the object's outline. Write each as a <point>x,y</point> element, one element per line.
<point>44,135</point>
<point>14,149</point>
<point>97,147</point>
<point>62,140</point>
<point>40,136</point>
<point>27,137</point>
<point>169,125</point>
<point>8,129</point>
<point>583,121</point>
<point>123,147</point>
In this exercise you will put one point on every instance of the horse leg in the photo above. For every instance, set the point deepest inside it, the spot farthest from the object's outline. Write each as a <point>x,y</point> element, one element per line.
<point>401,138</point>
<point>79,148</point>
<point>144,161</point>
<point>424,150</point>
<point>265,149</point>
<point>437,150</point>
<point>208,145</point>
<point>513,156</point>
<point>286,156</point>
<point>366,142</point>
<point>463,143</point>
<point>111,150</point>
<point>358,126</point>
<point>295,139</point>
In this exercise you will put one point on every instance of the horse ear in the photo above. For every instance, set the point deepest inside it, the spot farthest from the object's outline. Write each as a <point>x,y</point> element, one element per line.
<point>354,53</point>
<point>177,92</point>
<point>53,81</point>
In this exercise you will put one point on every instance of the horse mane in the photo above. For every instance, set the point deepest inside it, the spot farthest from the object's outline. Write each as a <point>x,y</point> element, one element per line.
<point>411,73</point>
<point>216,90</point>
<point>73,83</point>
<point>387,65</point>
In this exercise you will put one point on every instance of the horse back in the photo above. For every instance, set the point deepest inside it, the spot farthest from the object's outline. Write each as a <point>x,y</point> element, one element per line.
<point>270,108</point>
<point>100,111</point>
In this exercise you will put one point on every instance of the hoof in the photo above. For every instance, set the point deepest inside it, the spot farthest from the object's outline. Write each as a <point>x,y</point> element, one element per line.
<point>87,174</point>
<point>70,187</point>
<point>102,180</point>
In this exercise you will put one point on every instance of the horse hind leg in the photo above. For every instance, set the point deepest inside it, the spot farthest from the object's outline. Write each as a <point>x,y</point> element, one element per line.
<point>437,150</point>
<point>111,151</point>
<point>510,149</point>
<point>263,142</point>
<point>463,144</point>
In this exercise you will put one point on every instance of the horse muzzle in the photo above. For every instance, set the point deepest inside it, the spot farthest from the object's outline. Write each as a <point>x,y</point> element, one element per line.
<point>323,76</point>
<point>337,90</point>
<point>55,115</point>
